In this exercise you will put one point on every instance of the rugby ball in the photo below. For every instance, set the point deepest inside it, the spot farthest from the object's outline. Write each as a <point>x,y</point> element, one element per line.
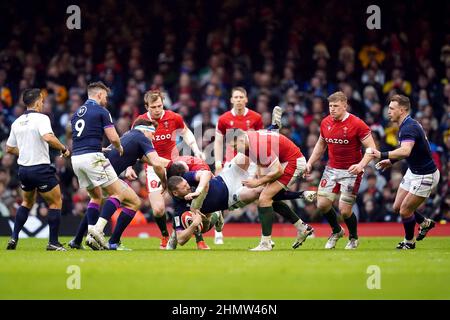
<point>186,221</point>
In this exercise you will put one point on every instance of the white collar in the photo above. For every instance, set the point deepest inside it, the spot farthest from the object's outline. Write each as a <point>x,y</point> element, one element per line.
<point>234,113</point>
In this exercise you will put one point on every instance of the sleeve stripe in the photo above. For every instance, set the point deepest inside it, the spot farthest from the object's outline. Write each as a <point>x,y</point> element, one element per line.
<point>366,136</point>
<point>108,126</point>
<point>407,140</point>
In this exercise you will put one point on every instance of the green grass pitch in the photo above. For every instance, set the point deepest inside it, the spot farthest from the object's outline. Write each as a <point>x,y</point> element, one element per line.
<point>229,271</point>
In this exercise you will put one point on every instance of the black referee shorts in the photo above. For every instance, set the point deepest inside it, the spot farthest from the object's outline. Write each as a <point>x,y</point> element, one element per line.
<point>41,177</point>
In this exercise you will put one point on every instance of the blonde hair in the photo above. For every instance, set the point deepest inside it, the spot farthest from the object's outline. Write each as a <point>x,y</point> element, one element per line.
<point>152,95</point>
<point>338,96</point>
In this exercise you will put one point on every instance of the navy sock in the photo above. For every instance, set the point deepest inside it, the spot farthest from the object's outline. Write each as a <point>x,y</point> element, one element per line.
<point>82,228</point>
<point>162,225</point>
<point>54,217</point>
<point>419,218</point>
<point>21,217</point>
<point>125,217</point>
<point>110,206</point>
<point>92,213</point>
<point>332,220</point>
<point>198,237</point>
<point>283,209</point>
<point>352,225</point>
<point>409,224</point>
<point>287,195</point>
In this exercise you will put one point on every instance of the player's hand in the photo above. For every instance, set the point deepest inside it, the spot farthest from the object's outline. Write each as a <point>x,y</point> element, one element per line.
<point>251,183</point>
<point>374,153</point>
<point>120,150</point>
<point>383,164</point>
<point>308,170</point>
<point>130,174</point>
<point>356,169</point>
<point>197,217</point>
<point>66,153</point>
<point>191,196</point>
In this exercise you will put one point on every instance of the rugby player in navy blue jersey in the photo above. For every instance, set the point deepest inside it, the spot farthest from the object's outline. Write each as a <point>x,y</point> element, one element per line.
<point>137,146</point>
<point>94,172</point>
<point>422,176</point>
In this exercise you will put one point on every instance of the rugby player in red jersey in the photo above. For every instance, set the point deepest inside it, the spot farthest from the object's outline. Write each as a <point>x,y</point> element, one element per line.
<point>344,134</point>
<point>239,117</point>
<point>280,162</point>
<point>165,145</point>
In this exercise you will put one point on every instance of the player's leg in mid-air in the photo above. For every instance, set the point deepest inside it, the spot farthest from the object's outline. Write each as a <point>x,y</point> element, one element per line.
<point>411,194</point>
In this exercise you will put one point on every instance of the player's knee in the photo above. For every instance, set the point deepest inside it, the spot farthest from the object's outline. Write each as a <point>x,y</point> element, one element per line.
<point>347,200</point>
<point>158,210</point>
<point>265,201</point>
<point>55,204</point>
<point>406,211</point>
<point>325,197</point>
<point>136,203</point>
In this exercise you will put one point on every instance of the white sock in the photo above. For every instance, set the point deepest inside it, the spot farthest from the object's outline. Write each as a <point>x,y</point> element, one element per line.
<point>266,238</point>
<point>299,224</point>
<point>425,223</point>
<point>101,224</point>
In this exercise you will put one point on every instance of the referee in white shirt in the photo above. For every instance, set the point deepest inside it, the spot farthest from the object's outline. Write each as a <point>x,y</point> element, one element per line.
<point>30,137</point>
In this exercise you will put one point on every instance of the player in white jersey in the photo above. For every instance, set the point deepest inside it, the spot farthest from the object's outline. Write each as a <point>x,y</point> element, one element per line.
<point>30,137</point>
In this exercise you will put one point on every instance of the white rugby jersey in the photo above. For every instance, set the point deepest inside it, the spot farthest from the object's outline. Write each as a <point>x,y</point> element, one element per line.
<point>26,135</point>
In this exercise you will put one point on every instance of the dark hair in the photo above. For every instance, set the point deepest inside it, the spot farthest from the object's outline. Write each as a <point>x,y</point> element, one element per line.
<point>240,89</point>
<point>173,182</point>
<point>29,96</point>
<point>145,122</point>
<point>94,86</point>
<point>401,100</point>
<point>176,169</point>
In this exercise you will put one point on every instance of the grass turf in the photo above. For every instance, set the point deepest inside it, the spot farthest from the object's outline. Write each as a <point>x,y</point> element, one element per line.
<point>229,271</point>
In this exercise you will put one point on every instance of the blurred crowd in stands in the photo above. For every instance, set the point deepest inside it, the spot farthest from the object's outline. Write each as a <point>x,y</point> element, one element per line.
<point>287,53</point>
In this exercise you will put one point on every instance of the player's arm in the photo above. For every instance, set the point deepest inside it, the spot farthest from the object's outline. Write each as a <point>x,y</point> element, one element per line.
<point>113,137</point>
<point>11,144</point>
<point>198,196</point>
<point>368,143</point>
<point>12,150</point>
<point>189,139</point>
<point>185,235</point>
<point>318,151</point>
<point>276,171</point>
<point>398,154</point>
<point>218,151</point>
<point>54,142</point>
